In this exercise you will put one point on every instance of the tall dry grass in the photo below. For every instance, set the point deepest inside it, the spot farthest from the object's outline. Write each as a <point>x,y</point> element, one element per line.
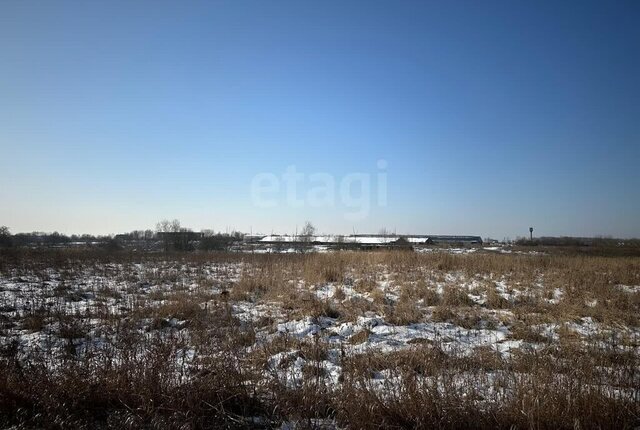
<point>141,370</point>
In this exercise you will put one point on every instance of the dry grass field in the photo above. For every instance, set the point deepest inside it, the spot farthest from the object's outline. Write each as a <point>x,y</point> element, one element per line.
<point>336,340</point>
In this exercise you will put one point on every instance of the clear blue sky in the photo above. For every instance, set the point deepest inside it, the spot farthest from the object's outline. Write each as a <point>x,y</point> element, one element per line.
<point>491,116</point>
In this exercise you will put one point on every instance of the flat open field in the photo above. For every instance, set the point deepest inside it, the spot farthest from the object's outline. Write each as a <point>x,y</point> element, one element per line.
<point>335,340</point>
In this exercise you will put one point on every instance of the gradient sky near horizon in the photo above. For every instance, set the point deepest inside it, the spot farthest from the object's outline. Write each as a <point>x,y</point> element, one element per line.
<point>491,116</point>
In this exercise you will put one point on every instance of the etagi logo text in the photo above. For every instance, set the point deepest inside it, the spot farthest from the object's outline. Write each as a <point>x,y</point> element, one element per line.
<point>296,189</point>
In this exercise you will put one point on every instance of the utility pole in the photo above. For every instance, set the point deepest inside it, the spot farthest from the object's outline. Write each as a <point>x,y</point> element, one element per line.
<point>531,233</point>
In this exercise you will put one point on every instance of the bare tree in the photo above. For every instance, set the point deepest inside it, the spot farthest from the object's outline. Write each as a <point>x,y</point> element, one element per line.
<point>162,226</point>
<point>168,229</point>
<point>306,235</point>
<point>207,232</point>
<point>308,230</point>
<point>5,237</point>
<point>166,226</point>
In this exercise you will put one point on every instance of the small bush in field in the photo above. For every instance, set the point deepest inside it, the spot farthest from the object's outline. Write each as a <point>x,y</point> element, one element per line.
<point>331,274</point>
<point>34,322</point>
<point>453,296</point>
<point>443,313</point>
<point>361,336</point>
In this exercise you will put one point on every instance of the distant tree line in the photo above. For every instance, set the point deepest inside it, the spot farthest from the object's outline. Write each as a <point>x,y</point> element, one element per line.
<point>37,238</point>
<point>220,241</point>
<point>168,236</point>
<point>577,241</point>
<point>174,237</point>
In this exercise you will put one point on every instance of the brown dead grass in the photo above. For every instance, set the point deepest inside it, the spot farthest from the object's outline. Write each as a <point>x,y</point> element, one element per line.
<point>138,383</point>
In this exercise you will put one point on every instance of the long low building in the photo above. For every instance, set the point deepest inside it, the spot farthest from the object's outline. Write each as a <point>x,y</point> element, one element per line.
<point>370,239</point>
<point>456,239</point>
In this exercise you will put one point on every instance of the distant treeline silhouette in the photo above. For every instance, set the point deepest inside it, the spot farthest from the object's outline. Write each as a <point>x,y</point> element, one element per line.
<point>576,241</point>
<point>175,238</point>
<point>47,239</point>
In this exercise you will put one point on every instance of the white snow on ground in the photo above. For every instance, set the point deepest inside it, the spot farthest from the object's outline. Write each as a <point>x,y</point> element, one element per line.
<point>557,296</point>
<point>449,337</point>
<point>115,288</point>
<point>427,250</point>
<point>630,289</point>
<point>250,312</point>
<point>502,249</point>
<point>383,338</point>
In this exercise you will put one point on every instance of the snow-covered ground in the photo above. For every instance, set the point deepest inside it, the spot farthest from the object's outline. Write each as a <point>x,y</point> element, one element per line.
<point>373,311</point>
